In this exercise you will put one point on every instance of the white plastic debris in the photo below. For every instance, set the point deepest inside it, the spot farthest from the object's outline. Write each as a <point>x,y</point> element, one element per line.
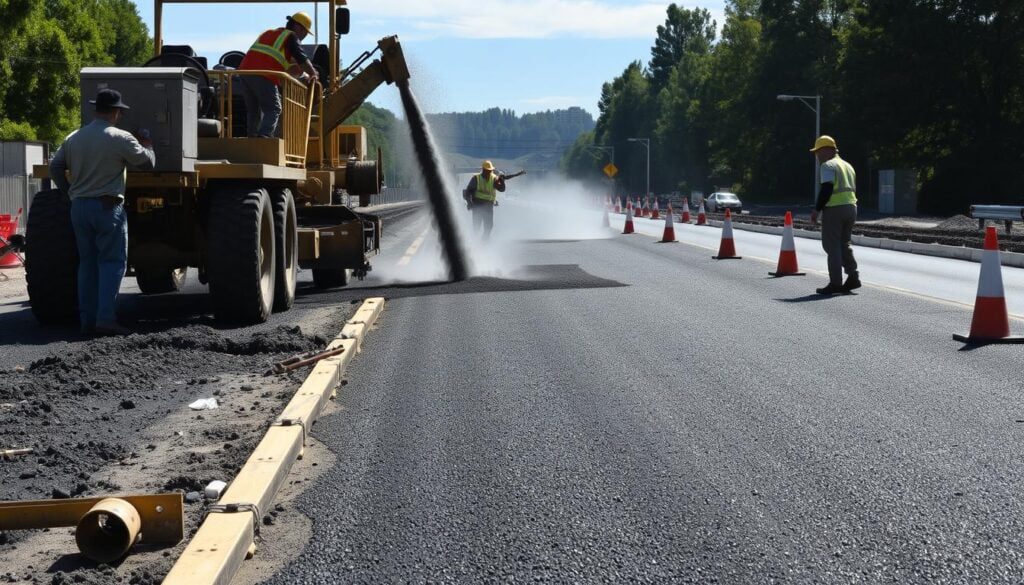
<point>204,404</point>
<point>214,489</point>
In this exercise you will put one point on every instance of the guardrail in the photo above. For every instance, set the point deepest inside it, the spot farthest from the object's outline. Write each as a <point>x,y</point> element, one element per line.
<point>1005,213</point>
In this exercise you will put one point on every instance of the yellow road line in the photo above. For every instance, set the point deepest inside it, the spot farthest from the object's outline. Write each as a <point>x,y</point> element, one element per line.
<point>415,247</point>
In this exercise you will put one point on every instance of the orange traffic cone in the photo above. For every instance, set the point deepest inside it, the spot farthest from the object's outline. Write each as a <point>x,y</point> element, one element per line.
<point>990,323</point>
<point>9,227</point>
<point>628,228</point>
<point>629,205</point>
<point>618,205</point>
<point>702,218</point>
<point>686,211</point>
<point>727,249</point>
<point>787,256</point>
<point>655,210</point>
<point>670,230</point>
<point>646,211</point>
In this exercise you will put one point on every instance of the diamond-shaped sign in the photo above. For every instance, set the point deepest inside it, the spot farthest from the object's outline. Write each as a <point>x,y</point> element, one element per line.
<point>611,170</point>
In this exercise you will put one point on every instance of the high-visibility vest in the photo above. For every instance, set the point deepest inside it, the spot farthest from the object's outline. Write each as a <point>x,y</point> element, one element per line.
<point>485,190</point>
<point>269,52</point>
<point>844,187</point>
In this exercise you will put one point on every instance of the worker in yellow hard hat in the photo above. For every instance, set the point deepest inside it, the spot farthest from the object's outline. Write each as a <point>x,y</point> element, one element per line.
<point>482,195</point>
<point>837,205</point>
<point>277,49</point>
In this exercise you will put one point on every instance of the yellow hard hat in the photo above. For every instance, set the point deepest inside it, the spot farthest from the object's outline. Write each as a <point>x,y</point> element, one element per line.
<point>488,165</point>
<point>824,141</point>
<point>303,19</point>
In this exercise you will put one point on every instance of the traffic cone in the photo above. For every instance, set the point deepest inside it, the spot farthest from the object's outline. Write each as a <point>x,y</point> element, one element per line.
<point>655,210</point>
<point>727,249</point>
<point>670,230</point>
<point>638,208</point>
<point>628,228</point>
<point>990,323</point>
<point>629,205</point>
<point>702,218</point>
<point>686,211</point>
<point>646,211</point>
<point>618,205</point>
<point>9,227</point>
<point>787,256</point>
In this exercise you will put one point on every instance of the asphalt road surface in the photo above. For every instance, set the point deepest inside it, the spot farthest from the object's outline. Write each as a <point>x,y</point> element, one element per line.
<point>600,407</point>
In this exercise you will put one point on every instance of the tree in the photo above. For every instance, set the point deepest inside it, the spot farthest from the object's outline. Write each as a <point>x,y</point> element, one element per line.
<point>685,32</point>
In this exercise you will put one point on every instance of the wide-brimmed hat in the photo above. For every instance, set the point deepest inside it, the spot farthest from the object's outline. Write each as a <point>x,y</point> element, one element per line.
<point>109,98</point>
<point>488,166</point>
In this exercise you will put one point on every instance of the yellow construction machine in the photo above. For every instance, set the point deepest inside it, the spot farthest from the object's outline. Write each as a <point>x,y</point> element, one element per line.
<point>245,212</point>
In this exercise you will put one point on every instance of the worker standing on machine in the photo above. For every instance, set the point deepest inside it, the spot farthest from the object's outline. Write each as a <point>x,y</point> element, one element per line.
<point>275,50</point>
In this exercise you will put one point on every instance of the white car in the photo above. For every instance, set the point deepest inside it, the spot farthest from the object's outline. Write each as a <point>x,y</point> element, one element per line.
<point>722,200</point>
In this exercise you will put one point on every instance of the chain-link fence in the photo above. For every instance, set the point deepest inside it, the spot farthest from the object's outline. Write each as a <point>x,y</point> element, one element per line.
<point>16,194</point>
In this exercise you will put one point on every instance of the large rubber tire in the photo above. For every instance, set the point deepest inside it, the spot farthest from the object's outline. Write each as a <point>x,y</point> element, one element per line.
<point>286,248</point>
<point>241,255</point>
<point>323,278</point>
<point>154,281</point>
<point>51,259</point>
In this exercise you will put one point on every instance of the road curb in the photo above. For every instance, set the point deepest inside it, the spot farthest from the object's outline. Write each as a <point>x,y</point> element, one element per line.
<point>1013,259</point>
<point>227,536</point>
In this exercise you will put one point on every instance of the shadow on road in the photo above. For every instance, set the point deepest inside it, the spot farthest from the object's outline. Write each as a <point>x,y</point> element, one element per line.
<point>814,297</point>
<point>540,277</point>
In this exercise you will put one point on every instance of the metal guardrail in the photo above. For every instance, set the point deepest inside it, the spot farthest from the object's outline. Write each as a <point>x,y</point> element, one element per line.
<point>1005,213</point>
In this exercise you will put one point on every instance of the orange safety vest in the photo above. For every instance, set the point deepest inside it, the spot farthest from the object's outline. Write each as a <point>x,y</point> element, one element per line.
<point>269,52</point>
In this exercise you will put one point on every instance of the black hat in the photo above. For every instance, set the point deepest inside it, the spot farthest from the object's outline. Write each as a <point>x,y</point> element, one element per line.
<point>109,98</point>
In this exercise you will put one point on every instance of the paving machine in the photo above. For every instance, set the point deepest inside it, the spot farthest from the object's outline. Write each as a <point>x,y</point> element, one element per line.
<point>245,212</point>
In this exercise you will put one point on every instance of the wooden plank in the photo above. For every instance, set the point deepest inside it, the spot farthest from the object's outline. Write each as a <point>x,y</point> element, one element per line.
<point>161,514</point>
<point>219,547</point>
<point>208,170</point>
<point>243,150</point>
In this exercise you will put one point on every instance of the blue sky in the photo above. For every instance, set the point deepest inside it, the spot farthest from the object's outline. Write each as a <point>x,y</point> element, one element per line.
<point>465,55</point>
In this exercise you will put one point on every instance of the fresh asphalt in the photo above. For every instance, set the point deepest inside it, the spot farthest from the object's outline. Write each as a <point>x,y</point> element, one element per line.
<point>613,409</point>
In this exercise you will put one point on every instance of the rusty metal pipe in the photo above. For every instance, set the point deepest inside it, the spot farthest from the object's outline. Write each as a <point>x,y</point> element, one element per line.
<point>108,530</point>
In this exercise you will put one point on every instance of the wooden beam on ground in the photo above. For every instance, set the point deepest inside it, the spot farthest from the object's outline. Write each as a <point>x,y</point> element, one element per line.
<point>225,537</point>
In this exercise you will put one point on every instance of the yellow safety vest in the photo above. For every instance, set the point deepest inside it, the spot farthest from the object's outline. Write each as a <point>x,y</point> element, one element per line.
<point>485,190</point>
<point>844,186</point>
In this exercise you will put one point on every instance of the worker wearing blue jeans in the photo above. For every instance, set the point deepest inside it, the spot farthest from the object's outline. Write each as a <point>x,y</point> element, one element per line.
<point>97,156</point>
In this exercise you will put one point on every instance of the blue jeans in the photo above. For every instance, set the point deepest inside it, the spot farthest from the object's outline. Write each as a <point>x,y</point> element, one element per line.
<point>101,230</point>
<point>262,106</point>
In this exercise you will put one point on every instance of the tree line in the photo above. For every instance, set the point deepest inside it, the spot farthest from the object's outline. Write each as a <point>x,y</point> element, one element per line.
<point>933,86</point>
<point>501,133</point>
<point>45,43</point>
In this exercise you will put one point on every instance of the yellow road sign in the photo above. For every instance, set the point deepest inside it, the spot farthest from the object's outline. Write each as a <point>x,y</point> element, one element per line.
<point>611,170</point>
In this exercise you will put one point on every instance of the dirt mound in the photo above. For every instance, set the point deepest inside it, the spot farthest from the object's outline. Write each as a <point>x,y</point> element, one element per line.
<point>78,410</point>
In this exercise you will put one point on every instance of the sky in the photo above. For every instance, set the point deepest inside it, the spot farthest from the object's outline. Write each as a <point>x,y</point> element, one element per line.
<point>464,55</point>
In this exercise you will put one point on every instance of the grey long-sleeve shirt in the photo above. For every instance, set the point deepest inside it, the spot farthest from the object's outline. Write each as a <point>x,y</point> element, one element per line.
<point>97,155</point>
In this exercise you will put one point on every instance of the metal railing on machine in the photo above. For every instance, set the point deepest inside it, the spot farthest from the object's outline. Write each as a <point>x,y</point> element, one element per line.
<point>298,101</point>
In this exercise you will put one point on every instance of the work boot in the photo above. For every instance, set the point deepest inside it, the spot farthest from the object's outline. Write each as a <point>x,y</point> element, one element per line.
<point>852,282</point>
<point>111,329</point>
<point>831,289</point>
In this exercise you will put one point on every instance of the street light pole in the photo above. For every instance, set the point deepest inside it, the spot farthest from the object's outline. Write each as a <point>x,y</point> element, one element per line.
<point>646,142</point>
<point>816,108</point>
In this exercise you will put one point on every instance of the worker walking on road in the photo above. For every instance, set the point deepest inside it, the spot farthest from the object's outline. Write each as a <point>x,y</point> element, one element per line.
<point>837,204</point>
<point>97,156</point>
<point>482,195</point>
<point>275,50</point>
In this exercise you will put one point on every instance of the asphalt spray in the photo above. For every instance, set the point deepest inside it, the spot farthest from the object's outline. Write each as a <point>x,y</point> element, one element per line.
<point>440,200</point>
